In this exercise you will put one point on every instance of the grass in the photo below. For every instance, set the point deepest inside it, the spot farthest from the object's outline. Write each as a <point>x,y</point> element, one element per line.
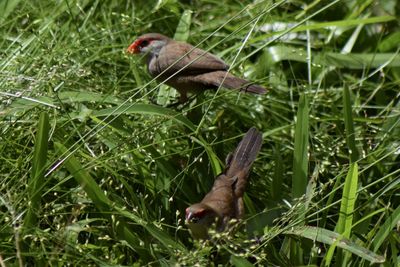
<point>93,172</point>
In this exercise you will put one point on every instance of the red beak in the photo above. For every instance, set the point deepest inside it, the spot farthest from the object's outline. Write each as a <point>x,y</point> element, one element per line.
<point>134,48</point>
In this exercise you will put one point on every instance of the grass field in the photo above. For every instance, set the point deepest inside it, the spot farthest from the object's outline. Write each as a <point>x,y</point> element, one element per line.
<point>96,168</point>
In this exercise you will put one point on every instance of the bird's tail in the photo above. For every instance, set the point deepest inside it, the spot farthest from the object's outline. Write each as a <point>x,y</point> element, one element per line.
<point>239,163</point>
<point>229,81</point>
<point>233,82</point>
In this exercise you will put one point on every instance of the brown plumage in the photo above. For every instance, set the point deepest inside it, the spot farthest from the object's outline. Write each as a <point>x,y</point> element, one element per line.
<point>186,68</point>
<point>225,200</point>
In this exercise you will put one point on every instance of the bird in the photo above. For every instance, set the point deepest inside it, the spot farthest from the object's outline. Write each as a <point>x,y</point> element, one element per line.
<point>225,200</point>
<point>187,68</point>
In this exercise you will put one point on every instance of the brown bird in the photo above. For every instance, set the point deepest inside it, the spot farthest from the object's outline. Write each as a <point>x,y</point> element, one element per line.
<point>225,200</point>
<point>187,68</point>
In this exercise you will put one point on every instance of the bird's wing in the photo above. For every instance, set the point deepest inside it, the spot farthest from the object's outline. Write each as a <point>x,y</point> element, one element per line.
<point>177,56</point>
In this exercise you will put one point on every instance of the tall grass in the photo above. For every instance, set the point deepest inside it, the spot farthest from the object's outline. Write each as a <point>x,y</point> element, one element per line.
<point>97,169</point>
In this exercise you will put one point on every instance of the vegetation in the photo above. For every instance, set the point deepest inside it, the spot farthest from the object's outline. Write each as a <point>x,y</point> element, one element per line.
<point>97,169</point>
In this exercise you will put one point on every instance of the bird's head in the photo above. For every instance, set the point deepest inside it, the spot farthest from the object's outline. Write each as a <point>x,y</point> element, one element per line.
<point>199,217</point>
<point>148,43</point>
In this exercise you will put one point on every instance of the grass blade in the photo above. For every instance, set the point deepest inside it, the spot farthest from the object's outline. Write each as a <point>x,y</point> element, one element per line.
<point>146,109</point>
<point>83,178</point>
<point>348,121</point>
<point>348,61</point>
<point>183,29</point>
<point>331,238</point>
<point>300,156</point>
<point>157,233</point>
<point>240,262</point>
<point>100,200</point>
<point>7,7</point>
<point>35,185</point>
<point>300,170</point>
<point>386,229</point>
<point>345,222</point>
<point>106,207</point>
<point>278,178</point>
<point>213,158</point>
<point>37,174</point>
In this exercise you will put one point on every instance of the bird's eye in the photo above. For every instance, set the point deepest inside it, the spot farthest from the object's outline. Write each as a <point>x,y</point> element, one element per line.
<point>194,219</point>
<point>144,43</point>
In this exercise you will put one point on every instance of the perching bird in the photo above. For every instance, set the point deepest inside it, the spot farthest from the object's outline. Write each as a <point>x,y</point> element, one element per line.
<point>187,68</point>
<point>225,200</point>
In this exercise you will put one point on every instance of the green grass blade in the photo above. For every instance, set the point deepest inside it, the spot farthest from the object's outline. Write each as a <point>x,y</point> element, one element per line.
<point>146,109</point>
<point>386,229</point>
<point>6,7</point>
<point>37,173</point>
<point>331,238</point>
<point>213,158</point>
<point>35,184</point>
<point>348,121</point>
<point>390,42</point>
<point>83,178</point>
<point>300,170</point>
<point>93,190</point>
<point>300,154</point>
<point>343,23</point>
<point>240,261</point>
<point>157,233</point>
<point>183,29</point>
<point>278,178</point>
<point>345,222</point>
<point>106,207</point>
<point>338,60</point>
<point>161,111</point>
